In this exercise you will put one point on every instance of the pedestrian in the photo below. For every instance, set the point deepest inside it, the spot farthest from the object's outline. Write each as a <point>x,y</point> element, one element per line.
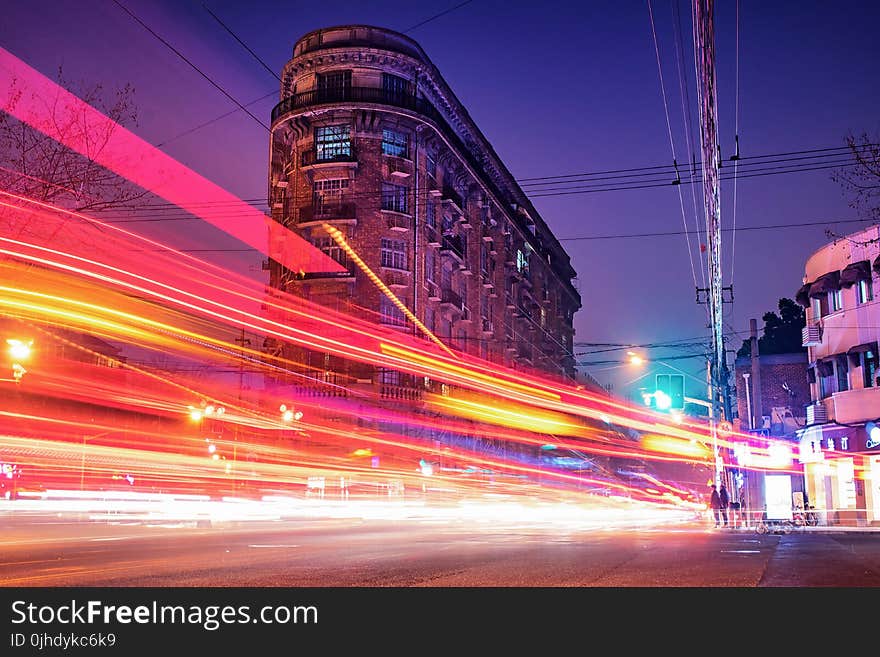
<point>724,498</point>
<point>715,505</point>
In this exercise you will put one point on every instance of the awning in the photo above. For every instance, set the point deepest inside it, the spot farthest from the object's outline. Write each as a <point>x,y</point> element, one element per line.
<point>855,272</point>
<point>829,282</point>
<point>803,295</point>
<point>868,348</point>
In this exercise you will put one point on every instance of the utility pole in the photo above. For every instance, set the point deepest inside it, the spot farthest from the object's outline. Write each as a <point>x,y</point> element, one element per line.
<point>241,341</point>
<point>704,33</point>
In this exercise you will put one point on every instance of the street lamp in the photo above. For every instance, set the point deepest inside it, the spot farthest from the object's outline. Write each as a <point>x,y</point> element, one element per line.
<point>19,350</point>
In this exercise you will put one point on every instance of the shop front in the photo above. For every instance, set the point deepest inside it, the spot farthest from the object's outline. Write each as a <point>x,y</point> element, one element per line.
<point>841,474</point>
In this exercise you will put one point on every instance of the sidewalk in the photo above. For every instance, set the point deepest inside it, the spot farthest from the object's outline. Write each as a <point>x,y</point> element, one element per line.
<point>819,529</point>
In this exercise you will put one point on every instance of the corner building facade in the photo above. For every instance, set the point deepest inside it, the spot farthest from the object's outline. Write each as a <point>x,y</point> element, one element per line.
<point>370,139</point>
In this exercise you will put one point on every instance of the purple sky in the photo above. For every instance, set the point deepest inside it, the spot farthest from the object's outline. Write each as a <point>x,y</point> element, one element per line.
<point>558,88</point>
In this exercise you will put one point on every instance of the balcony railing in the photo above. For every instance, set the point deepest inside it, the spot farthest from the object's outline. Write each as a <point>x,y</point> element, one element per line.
<point>432,236</point>
<point>399,222</point>
<point>354,95</point>
<point>453,245</point>
<point>326,156</point>
<point>327,212</point>
<point>453,197</point>
<point>452,299</point>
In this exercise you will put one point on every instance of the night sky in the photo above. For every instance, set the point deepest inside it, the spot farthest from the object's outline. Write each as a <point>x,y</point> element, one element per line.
<point>558,88</point>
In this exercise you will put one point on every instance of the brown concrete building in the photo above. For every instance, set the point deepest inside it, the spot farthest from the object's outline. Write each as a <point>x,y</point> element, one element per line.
<point>369,138</point>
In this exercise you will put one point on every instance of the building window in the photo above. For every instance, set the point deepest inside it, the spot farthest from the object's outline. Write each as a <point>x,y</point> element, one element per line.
<point>484,259</point>
<point>842,374</point>
<point>429,319</point>
<point>389,377</point>
<point>864,291</point>
<point>393,253</point>
<point>431,165</point>
<point>430,265</point>
<point>328,194</point>
<point>835,301</point>
<point>395,143</point>
<point>868,363</point>
<point>396,86</point>
<point>332,249</point>
<point>431,214</point>
<point>522,261</point>
<point>334,84</point>
<point>820,306</point>
<point>394,197</point>
<point>446,278</point>
<point>332,142</point>
<point>390,313</point>
<point>445,329</point>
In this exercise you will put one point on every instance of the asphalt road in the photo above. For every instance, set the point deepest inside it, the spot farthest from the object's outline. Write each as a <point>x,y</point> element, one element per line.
<point>411,553</point>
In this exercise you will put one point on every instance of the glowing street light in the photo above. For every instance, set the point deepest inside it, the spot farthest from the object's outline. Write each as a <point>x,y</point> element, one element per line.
<point>634,358</point>
<point>19,349</point>
<point>288,414</point>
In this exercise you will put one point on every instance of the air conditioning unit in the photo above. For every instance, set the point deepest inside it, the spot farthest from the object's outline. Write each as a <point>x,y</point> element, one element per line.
<point>817,413</point>
<point>811,335</point>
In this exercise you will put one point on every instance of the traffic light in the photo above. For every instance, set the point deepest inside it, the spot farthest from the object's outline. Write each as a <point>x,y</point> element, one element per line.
<point>672,385</point>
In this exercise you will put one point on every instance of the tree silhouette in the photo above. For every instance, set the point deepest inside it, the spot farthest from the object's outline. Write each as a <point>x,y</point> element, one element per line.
<point>782,332</point>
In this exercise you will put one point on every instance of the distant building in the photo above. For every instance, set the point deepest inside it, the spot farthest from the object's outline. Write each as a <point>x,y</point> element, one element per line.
<point>783,397</point>
<point>839,450</point>
<point>369,138</point>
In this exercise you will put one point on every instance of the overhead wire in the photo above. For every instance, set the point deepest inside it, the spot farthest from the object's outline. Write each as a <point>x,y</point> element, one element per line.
<point>684,98</point>
<point>190,63</point>
<point>672,143</point>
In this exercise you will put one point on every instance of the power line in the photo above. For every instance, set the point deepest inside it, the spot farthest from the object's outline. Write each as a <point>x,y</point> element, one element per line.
<point>243,44</point>
<point>743,228</point>
<point>435,16</point>
<point>670,168</point>
<point>687,237</point>
<point>193,66</point>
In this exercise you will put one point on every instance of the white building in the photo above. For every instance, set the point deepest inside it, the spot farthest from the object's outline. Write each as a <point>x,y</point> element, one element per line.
<point>839,452</point>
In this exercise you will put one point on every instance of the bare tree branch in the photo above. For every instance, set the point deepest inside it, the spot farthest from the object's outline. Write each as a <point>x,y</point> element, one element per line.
<point>862,182</point>
<point>37,166</point>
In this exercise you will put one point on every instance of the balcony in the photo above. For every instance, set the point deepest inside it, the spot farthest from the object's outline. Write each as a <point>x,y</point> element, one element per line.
<point>312,157</point>
<point>396,278</point>
<point>853,406</point>
<point>432,237</point>
<point>453,245</point>
<point>433,291</point>
<point>338,212</point>
<point>453,198</point>
<point>524,352</point>
<point>399,222</point>
<point>346,276</point>
<point>811,335</point>
<point>398,167</point>
<point>486,326</point>
<point>453,301</point>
